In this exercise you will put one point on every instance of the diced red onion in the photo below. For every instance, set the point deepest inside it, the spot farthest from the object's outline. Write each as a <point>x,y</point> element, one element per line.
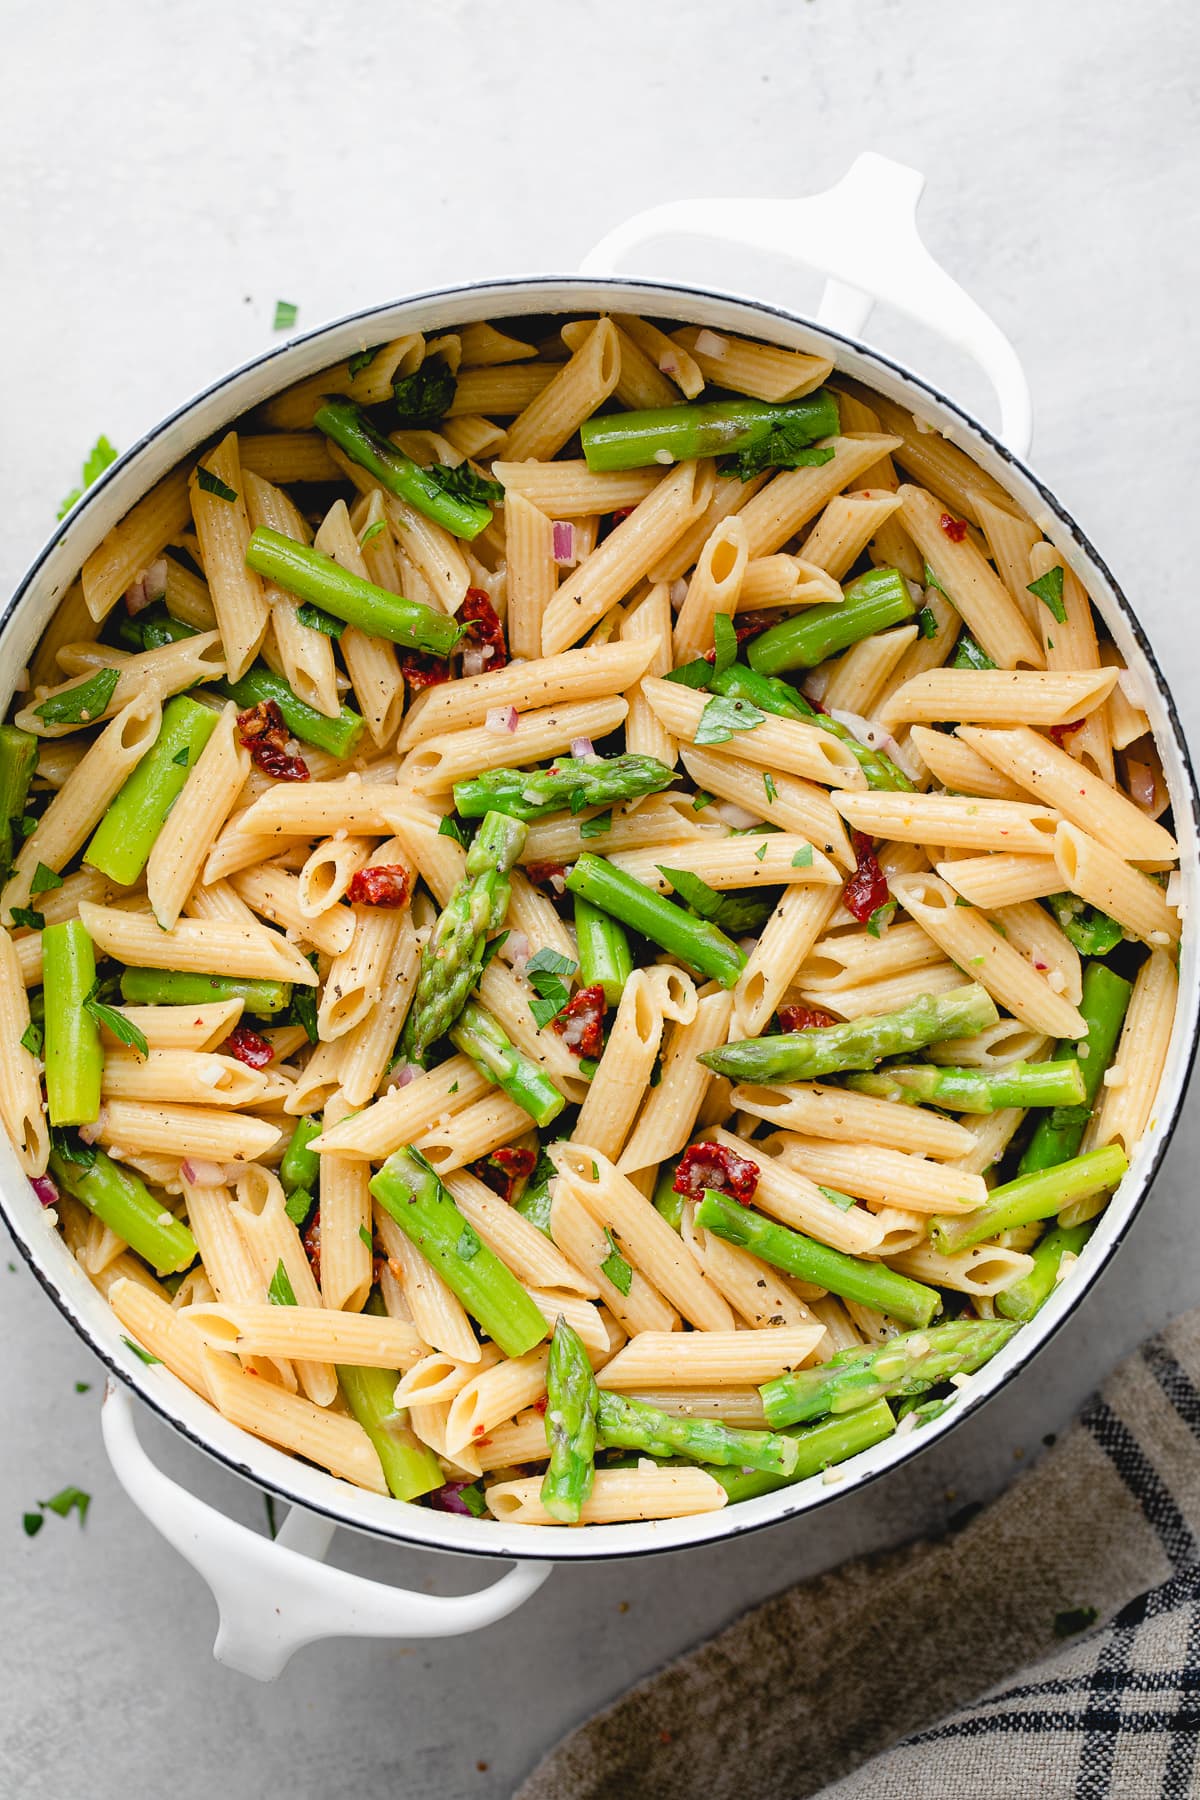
<point>679,590</point>
<point>668,364</point>
<point>44,1188</point>
<point>474,659</point>
<point>581,747</point>
<point>709,344</point>
<point>517,949</point>
<point>202,1174</point>
<point>573,1031</point>
<point>449,1498</point>
<point>89,1133</point>
<point>558,883</point>
<point>502,718</point>
<point>147,586</point>
<point>730,813</point>
<point>1142,786</point>
<point>400,1076</point>
<point>563,542</point>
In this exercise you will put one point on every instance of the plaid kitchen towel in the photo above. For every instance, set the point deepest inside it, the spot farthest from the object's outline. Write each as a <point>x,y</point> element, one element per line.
<point>942,1668</point>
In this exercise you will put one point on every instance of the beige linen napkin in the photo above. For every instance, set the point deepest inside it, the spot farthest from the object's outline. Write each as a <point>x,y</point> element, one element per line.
<point>941,1669</point>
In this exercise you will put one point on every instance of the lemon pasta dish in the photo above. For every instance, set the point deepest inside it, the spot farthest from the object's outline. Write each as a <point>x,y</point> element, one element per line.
<point>589,920</point>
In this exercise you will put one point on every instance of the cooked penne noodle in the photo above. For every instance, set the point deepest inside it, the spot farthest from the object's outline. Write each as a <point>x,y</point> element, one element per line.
<point>820,1111</point>
<point>733,863</point>
<point>622,1078</point>
<point>638,1305</point>
<point>528,1252</point>
<point>223,528</point>
<point>570,490</point>
<point>955,820</point>
<point>786,940</point>
<point>862,674</point>
<point>789,801</point>
<point>162,1332</point>
<point>960,768</point>
<point>189,1077</point>
<point>747,367</point>
<point>1101,878</point>
<point>1126,1107</point>
<point>998,697</point>
<point>616,1494</point>
<point>845,528</point>
<point>133,544</point>
<point>791,1197</point>
<point>203,946</point>
<point>715,587</point>
<point>435,765</point>
<point>1005,879</point>
<point>884,1177</point>
<point>776,743</point>
<point>782,508</point>
<point>987,1269</point>
<point>702,1358</point>
<point>787,581</point>
<point>672,1108</point>
<point>575,676</point>
<point>188,834</point>
<point>20,1085</point>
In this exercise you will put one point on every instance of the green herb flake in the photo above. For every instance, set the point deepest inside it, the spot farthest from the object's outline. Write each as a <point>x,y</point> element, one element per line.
<point>451,828</point>
<point>881,918</point>
<point>737,914</point>
<point>725,643</point>
<point>977,962</point>
<point>372,531</point>
<point>722,717</point>
<point>453,1090</point>
<point>788,445</point>
<point>317,619</point>
<point>959,901</point>
<point>83,1387</point>
<point>474,1499</point>
<point>701,800</point>
<point>97,460</point>
<point>615,1267</point>
<point>769,788</point>
<point>208,483</point>
<point>69,1500</point>
<point>30,917</point>
<point>44,880</point>
<point>462,482</point>
<point>843,1202</point>
<point>469,1244</point>
<point>424,397</point>
<point>32,1522</point>
<point>281,1292</point>
<point>367,1239</point>
<point>926,623</point>
<point>182,757</point>
<point>31,1038</point>
<point>362,359</point>
<point>286,312</point>
<point>493,947</point>
<point>298,1205</point>
<point>697,674</point>
<point>760,853</point>
<point>931,581</point>
<point>1075,1619</point>
<point>1049,590</point>
<point>543,972</point>
<point>71,1148</point>
<point>123,1029</point>
<point>803,857</point>
<point>142,1355</point>
<point>80,704</point>
<point>597,827</point>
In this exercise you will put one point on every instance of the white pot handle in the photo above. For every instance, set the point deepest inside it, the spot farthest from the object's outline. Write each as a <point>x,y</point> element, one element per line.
<point>862,235</point>
<point>276,1595</point>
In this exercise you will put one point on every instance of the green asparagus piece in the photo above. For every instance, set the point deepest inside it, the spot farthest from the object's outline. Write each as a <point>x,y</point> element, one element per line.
<point>128,1208</point>
<point>301,1167</point>
<point>870,1283</point>
<point>818,1448</point>
<point>857,1043</point>
<point>318,579</point>
<point>18,760</point>
<point>476,1033</point>
<point>969,655</point>
<point>571,1400</point>
<point>666,1200</point>
<point>703,947</point>
<point>627,1424</point>
<point>174,987</point>
<point>903,1365</point>
<point>876,600</point>
<point>1026,1296</point>
<point>339,736</point>
<point>353,432</point>
<point>74,1059</point>
<point>573,782</point>
<point>410,1191</point>
<point>1030,1197</point>
<point>410,1467</point>
<point>452,957</point>
<point>122,842</point>
<point>976,1090</point>
<point>638,440</point>
<point>605,959</point>
<point>771,694</point>
<point>1104,1002</point>
<point>1091,931</point>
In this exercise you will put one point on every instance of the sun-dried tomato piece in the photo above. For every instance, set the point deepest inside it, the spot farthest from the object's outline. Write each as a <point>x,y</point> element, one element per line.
<point>955,529</point>
<point>483,627</point>
<point>804,1018</point>
<point>620,513</point>
<point>746,626</point>
<point>380,884</point>
<point>713,1166</point>
<point>580,1024</point>
<point>1059,732</point>
<point>867,888</point>
<point>504,1168</point>
<point>312,1245</point>
<point>249,1047</point>
<point>421,671</point>
<point>265,736</point>
<point>547,874</point>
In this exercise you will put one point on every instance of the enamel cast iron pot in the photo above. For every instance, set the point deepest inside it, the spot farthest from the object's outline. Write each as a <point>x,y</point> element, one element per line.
<point>275,1596</point>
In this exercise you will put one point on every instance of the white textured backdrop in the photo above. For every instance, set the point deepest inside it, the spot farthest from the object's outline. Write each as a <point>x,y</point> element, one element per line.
<point>167,173</point>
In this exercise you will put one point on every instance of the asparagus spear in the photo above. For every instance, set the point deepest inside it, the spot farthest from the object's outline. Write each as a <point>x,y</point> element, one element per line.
<point>871,1283</point>
<point>122,842</point>
<point>703,947</point>
<point>410,1467</point>
<point>301,1167</point>
<point>176,987</point>
<point>318,579</point>
<point>570,781</point>
<point>770,694</point>
<point>856,1043</point>
<point>410,1191</point>
<point>353,432</point>
<point>818,1448</point>
<point>1091,931</point>
<point>571,1400</point>
<point>1024,1297</point>
<point>637,440</point>
<point>128,1208</point>
<point>18,760</point>
<point>904,1365</point>
<point>976,1090</point>
<point>452,956</point>
<point>667,1200</point>
<point>74,1059</point>
<point>605,959</point>
<point>1030,1197</point>
<point>477,1034</point>
<point>876,600</point>
<point>1103,1005</point>
<point>627,1424</point>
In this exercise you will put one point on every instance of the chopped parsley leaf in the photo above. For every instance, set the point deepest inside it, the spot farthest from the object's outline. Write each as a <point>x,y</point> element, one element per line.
<point>298,1205</point>
<point>722,717</point>
<point>771,791</point>
<point>286,312</point>
<point>615,1266</point>
<point>451,828</point>
<point>760,853</point>
<point>543,972</point>
<point>367,1239</point>
<point>424,397</point>
<point>843,1202</point>
<point>29,915</point>
<point>182,757</point>
<point>31,1038</point>
<point>372,530</point>
<point>281,1292</point>
<point>208,483</point>
<point>734,913</point>
<point>362,359</point>
<point>123,1029</point>
<point>462,483</point>
<point>80,704</point>
<point>44,880</point>
<point>931,581</point>
<point>881,918</point>
<point>926,623</point>
<point>98,459</point>
<point>317,619</point>
<point>725,643</point>
<point>1049,590</point>
<point>701,800</point>
<point>142,1355</point>
<point>598,826</point>
<point>803,857</point>
<point>69,1500</point>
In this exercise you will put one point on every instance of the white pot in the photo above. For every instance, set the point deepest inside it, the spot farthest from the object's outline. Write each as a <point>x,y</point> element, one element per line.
<point>276,1595</point>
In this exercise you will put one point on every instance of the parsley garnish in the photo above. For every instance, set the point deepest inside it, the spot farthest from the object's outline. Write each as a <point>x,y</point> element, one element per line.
<point>373,530</point>
<point>701,800</point>
<point>473,1498</point>
<point>367,1239</point>
<point>71,1499</point>
<point>492,946</point>
<point>83,1387</point>
<point>29,915</point>
<point>843,1202</point>
<point>543,971</point>
<point>31,1038</point>
<point>931,581</point>
<point>285,315</point>
<point>615,1266</point>
<point>725,643</point>
<point>123,1029</point>
<point>281,1292</point>
<point>803,857</point>
<point>462,483</point>
<point>362,359</point>
<point>143,1355</point>
<point>881,918</point>
<point>959,901</point>
<point>760,853</point>
<point>209,483</point>
<point>80,704</point>
<point>926,623</point>
<point>98,459</point>
<point>33,1521</point>
<point>788,445</point>
<point>1049,589</point>
<point>772,792</point>
<point>734,913</point>
<point>72,1149</point>
<point>182,757</point>
<point>298,1205</point>
<point>317,619</point>
<point>722,717</point>
<point>303,1007</point>
<point>44,879</point>
<point>596,827</point>
<point>424,397</point>
<point>695,674</point>
<point>451,828</point>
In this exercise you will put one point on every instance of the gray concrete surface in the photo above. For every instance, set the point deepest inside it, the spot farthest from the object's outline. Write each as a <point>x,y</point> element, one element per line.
<point>167,174</point>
